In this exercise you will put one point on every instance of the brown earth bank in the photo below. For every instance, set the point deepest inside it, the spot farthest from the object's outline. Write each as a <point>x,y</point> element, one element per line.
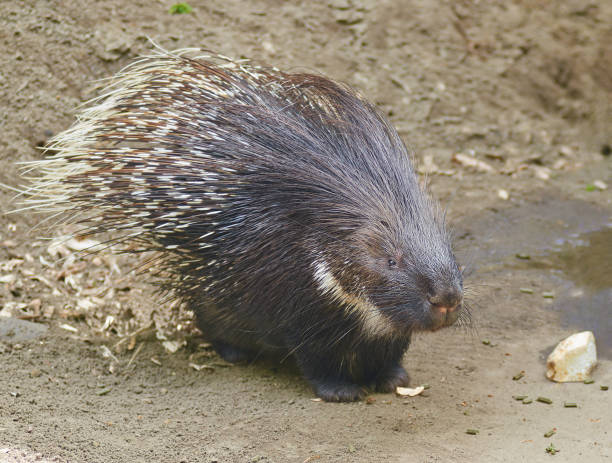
<point>508,108</point>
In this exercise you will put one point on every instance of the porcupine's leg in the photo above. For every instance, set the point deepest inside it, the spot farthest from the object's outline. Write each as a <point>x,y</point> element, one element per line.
<point>327,377</point>
<point>223,331</point>
<point>390,372</point>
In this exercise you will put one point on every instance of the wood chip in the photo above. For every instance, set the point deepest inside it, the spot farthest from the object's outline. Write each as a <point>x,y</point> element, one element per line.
<point>470,161</point>
<point>197,367</point>
<point>106,353</point>
<point>172,346</point>
<point>81,244</point>
<point>67,327</point>
<point>8,279</point>
<point>409,392</point>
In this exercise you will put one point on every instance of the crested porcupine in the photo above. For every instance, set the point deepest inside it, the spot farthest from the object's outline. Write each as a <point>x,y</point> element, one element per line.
<point>285,207</point>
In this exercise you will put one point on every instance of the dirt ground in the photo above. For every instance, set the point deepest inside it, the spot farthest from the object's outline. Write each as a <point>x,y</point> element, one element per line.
<point>520,88</point>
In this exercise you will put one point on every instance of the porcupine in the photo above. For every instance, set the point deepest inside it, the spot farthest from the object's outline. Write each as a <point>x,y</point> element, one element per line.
<point>284,205</point>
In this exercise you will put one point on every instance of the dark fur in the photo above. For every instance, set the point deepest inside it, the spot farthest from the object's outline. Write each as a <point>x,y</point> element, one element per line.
<point>316,175</point>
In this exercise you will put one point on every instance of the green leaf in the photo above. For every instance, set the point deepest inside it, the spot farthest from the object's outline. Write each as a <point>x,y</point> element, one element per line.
<point>181,8</point>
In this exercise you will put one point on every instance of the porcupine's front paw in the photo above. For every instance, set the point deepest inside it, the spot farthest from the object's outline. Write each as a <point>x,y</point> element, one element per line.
<point>337,390</point>
<point>390,378</point>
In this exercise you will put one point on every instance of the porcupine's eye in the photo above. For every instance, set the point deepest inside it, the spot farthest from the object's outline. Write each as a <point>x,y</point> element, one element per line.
<point>392,263</point>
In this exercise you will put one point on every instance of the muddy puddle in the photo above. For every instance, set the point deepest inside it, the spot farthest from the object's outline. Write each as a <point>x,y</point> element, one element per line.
<point>567,243</point>
<point>582,263</point>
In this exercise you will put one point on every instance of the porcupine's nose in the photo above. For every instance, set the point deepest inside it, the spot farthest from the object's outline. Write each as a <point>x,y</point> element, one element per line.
<point>445,306</point>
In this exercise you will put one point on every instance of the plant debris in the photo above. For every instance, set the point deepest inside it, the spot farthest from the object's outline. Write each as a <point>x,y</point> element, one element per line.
<point>181,8</point>
<point>551,449</point>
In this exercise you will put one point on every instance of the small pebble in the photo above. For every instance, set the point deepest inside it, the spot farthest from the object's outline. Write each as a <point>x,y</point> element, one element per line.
<point>601,185</point>
<point>542,173</point>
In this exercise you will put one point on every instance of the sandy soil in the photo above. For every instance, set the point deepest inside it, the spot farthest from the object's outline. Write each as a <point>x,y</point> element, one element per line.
<point>522,86</point>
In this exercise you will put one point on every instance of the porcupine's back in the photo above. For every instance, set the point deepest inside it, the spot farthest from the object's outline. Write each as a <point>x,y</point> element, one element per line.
<point>241,176</point>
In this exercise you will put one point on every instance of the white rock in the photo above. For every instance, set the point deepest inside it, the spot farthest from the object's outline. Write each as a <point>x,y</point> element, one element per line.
<point>573,359</point>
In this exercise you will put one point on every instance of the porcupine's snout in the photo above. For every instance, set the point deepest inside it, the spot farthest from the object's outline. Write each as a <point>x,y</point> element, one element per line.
<point>445,306</point>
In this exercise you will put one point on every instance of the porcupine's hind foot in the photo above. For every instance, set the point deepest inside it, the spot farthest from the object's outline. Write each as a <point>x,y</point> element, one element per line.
<point>231,353</point>
<point>390,378</point>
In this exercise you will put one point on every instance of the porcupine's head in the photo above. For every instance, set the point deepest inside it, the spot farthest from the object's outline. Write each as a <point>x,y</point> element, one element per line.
<point>395,269</point>
<point>383,251</point>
